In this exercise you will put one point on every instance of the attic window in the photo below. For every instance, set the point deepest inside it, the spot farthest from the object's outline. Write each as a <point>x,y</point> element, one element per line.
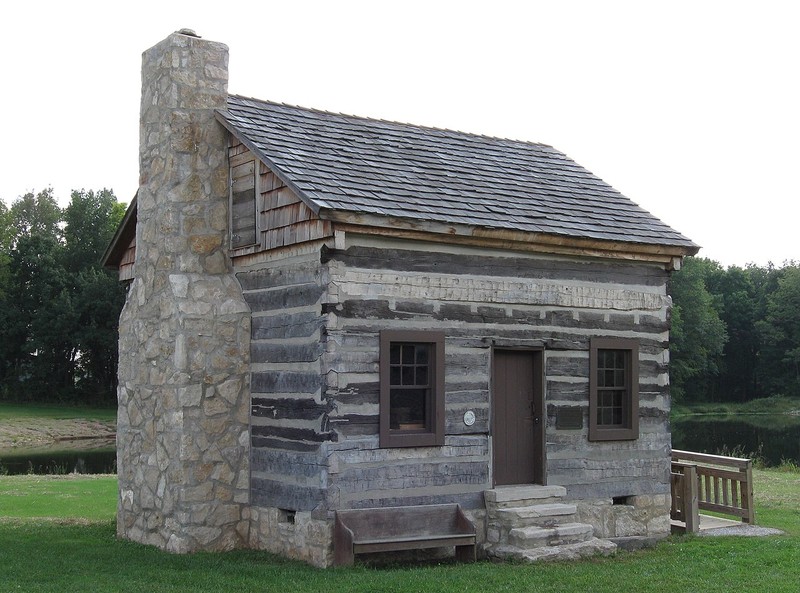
<point>243,204</point>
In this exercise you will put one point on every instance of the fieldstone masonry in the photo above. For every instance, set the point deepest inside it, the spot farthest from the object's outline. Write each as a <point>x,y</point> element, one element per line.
<point>637,517</point>
<point>183,426</point>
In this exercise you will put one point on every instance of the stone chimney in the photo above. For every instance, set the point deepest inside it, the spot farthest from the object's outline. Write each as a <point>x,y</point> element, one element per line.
<point>183,421</point>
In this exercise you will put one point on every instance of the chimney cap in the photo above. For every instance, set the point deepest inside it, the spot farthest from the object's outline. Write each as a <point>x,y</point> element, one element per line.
<point>188,33</point>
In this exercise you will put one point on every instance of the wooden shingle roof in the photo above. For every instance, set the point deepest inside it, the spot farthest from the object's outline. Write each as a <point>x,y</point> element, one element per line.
<point>342,163</point>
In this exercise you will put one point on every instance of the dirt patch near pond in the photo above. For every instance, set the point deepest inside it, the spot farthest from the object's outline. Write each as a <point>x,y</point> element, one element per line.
<point>28,433</point>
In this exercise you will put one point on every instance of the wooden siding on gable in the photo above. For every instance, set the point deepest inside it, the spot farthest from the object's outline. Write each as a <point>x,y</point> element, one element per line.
<point>265,213</point>
<point>126,264</point>
<point>243,200</point>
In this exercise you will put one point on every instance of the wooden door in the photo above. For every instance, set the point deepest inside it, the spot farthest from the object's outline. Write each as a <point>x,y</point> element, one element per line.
<point>518,417</point>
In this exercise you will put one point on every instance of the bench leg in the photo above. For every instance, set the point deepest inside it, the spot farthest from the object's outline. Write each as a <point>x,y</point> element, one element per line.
<point>465,553</point>
<point>343,554</point>
<point>343,557</point>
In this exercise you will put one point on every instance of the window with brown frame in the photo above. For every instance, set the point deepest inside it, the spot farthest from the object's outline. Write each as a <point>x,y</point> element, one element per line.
<point>411,388</point>
<point>613,389</point>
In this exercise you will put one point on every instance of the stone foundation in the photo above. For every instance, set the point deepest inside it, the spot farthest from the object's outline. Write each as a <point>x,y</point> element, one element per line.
<point>645,515</point>
<point>293,535</point>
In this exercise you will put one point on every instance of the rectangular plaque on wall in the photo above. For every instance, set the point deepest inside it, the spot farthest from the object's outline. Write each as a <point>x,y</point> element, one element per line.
<point>569,418</point>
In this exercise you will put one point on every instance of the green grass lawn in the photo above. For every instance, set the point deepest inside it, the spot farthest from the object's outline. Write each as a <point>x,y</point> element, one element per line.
<point>85,498</point>
<point>12,411</point>
<point>78,551</point>
<point>767,405</point>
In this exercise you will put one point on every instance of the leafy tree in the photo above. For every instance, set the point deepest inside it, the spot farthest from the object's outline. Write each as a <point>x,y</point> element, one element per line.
<point>780,332</point>
<point>59,309</point>
<point>736,296</point>
<point>6,237</point>
<point>35,214</point>
<point>698,334</point>
<point>39,333</point>
<point>91,219</point>
<point>6,229</point>
<point>99,298</point>
<point>31,242</point>
<point>6,314</point>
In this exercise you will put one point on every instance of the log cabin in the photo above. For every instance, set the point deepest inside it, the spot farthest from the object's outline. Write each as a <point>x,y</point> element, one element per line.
<point>329,313</point>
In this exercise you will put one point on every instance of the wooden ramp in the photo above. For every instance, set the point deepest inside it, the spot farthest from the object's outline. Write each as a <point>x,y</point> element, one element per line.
<point>707,522</point>
<point>715,483</point>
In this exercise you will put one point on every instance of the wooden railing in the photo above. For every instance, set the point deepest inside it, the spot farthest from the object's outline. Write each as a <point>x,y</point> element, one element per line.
<point>683,483</point>
<point>710,483</point>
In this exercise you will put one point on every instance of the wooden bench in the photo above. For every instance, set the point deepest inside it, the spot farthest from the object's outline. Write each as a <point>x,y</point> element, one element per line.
<point>387,529</point>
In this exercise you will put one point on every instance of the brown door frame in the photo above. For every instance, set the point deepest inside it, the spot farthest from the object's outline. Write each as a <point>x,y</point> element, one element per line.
<point>539,453</point>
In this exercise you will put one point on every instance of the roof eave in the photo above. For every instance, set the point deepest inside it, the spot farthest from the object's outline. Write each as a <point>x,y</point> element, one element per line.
<point>497,238</point>
<point>125,232</point>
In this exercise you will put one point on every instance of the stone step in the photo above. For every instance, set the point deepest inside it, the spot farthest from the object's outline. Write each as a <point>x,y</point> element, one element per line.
<point>543,515</point>
<point>500,522</point>
<point>528,538</point>
<point>584,549</point>
<point>520,496</point>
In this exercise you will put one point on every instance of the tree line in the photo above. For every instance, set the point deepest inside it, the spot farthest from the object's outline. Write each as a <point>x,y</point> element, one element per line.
<point>735,331</point>
<point>59,308</point>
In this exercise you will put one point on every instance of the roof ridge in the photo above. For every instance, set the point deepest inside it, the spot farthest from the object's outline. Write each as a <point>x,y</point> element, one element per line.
<point>394,122</point>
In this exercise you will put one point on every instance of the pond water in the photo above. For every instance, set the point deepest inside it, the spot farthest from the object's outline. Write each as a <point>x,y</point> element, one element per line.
<point>772,437</point>
<point>102,460</point>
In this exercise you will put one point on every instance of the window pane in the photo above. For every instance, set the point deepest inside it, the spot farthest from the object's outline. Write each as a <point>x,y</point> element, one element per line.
<point>412,407</point>
<point>611,383</point>
<point>608,399</point>
<point>408,409</point>
<point>408,353</point>
<point>611,407</point>
<point>618,398</point>
<point>422,353</point>
<point>409,376</point>
<point>614,390</point>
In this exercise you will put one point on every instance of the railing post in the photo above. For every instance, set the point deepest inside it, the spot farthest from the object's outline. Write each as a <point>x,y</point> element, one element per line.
<point>691,512</point>
<point>747,494</point>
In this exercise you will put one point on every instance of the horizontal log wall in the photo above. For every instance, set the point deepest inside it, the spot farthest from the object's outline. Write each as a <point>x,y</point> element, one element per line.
<point>289,410</point>
<point>480,300</point>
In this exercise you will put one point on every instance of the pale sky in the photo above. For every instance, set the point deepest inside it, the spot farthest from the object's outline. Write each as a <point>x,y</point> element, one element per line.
<point>690,108</point>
